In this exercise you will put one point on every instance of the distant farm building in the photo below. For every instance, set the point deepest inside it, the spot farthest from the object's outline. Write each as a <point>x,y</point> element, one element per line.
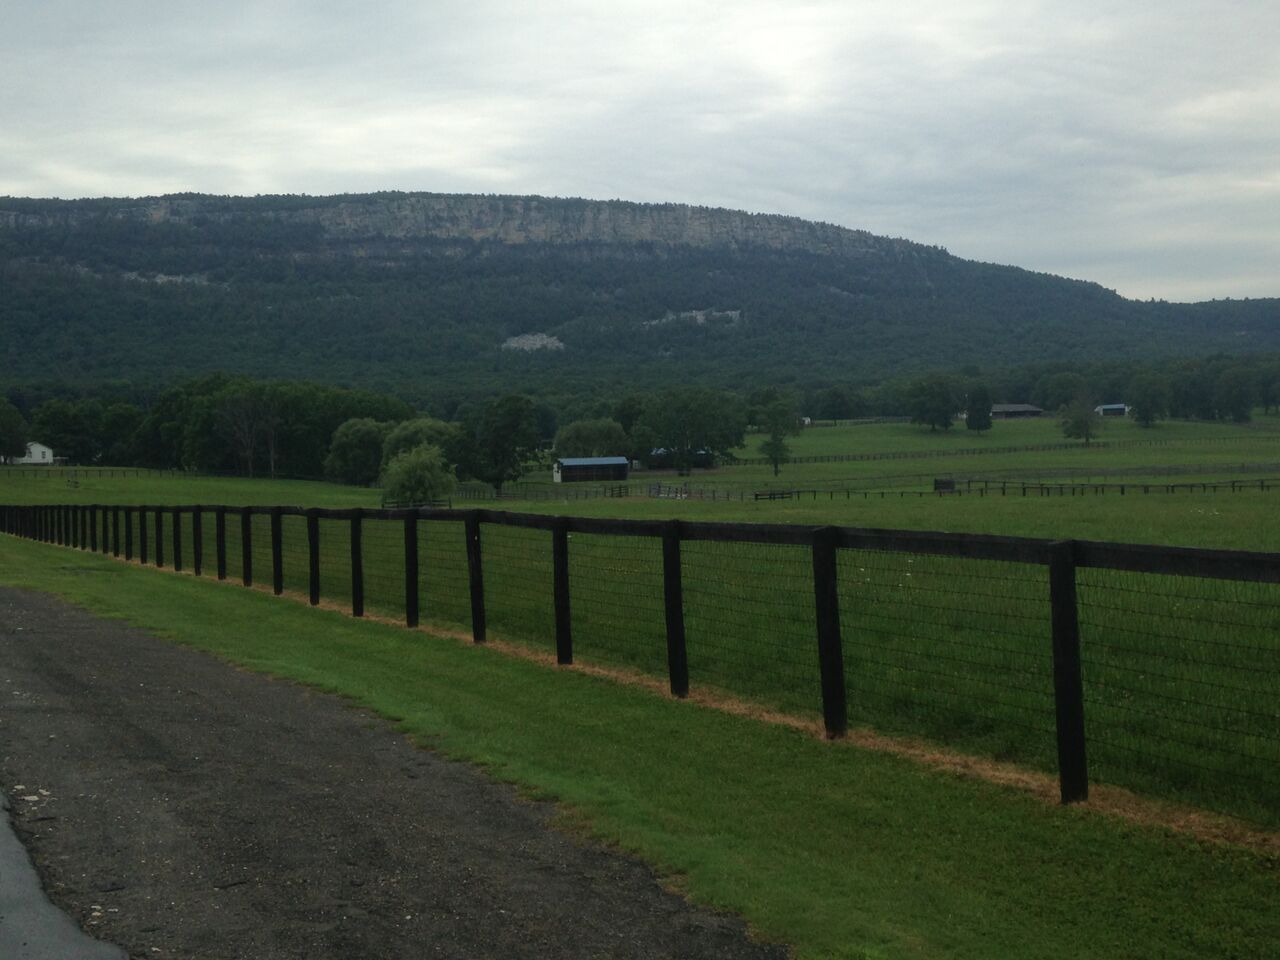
<point>577,469</point>
<point>1014,411</point>
<point>37,454</point>
<point>1112,410</point>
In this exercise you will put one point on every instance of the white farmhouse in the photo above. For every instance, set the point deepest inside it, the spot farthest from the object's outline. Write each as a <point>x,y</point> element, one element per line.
<point>37,454</point>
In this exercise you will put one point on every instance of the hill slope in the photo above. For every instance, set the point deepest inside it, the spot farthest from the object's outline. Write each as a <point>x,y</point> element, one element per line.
<point>431,291</point>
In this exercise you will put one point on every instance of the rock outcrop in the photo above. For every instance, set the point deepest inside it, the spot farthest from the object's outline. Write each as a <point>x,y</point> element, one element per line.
<point>505,219</point>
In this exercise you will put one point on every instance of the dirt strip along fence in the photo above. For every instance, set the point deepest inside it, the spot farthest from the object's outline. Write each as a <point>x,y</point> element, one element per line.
<point>1149,667</point>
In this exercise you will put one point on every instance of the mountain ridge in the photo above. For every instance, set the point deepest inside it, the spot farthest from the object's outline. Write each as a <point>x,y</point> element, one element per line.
<point>396,288</point>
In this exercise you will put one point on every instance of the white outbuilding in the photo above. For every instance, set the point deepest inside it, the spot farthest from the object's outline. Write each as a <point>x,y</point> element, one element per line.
<point>37,454</point>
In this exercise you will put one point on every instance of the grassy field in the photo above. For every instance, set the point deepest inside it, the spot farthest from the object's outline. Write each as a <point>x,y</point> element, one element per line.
<point>94,486</point>
<point>840,852</point>
<point>1180,673</point>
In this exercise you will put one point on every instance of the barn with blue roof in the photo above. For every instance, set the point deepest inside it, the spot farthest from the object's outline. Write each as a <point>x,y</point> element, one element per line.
<point>577,469</point>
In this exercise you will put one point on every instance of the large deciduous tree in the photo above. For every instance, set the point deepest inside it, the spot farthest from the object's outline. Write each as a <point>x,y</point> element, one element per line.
<point>499,439</point>
<point>421,431</point>
<point>1235,394</point>
<point>1148,398</point>
<point>72,428</point>
<point>13,431</point>
<point>933,401</point>
<point>355,454</point>
<point>691,422</point>
<point>1080,420</point>
<point>418,475</point>
<point>778,415</point>
<point>592,438</point>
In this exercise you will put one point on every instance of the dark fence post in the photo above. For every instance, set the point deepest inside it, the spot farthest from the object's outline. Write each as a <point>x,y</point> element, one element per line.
<point>357,563</point>
<point>411,570</point>
<point>197,541</point>
<point>159,537</point>
<point>93,528</point>
<point>673,597</point>
<point>115,531</point>
<point>826,595</point>
<point>313,555</point>
<point>246,546</point>
<point>475,575</point>
<point>128,533</point>
<point>142,535</point>
<point>560,579</point>
<point>1068,684</point>
<point>177,538</point>
<point>277,551</point>
<point>106,530</point>
<point>220,541</point>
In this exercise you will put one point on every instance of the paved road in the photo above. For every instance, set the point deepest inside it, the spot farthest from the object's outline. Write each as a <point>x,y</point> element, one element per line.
<point>32,928</point>
<point>185,808</point>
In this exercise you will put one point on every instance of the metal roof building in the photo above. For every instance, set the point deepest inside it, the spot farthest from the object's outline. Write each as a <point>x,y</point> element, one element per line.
<point>576,469</point>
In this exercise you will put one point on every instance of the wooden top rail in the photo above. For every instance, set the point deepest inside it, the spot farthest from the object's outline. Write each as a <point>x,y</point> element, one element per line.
<point>1138,558</point>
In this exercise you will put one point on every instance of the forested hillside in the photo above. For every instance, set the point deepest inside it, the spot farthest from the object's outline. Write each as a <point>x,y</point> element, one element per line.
<point>426,294</point>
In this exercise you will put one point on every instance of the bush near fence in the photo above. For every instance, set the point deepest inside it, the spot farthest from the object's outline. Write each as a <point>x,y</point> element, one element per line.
<point>1150,667</point>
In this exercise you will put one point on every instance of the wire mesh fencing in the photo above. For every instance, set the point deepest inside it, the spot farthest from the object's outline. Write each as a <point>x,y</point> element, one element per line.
<point>443,578</point>
<point>1150,668</point>
<point>749,616</point>
<point>617,608</point>
<point>1180,686</point>
<point>950,649</point>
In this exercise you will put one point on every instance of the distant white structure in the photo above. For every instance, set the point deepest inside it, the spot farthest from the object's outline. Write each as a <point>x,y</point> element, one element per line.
<point>37,454</point>
<point>1112,410</point>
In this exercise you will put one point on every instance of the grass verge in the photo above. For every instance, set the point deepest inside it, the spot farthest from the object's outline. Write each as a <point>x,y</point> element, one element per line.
<point>838,851</point>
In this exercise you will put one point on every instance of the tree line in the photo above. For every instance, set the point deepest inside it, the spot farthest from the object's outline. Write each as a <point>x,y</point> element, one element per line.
<point>236,425</point>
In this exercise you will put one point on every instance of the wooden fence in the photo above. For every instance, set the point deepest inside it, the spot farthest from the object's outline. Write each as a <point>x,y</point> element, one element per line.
<point>144,533</point>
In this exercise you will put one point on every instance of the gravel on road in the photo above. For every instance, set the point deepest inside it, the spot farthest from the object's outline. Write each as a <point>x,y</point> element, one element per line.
<point>182,807</point>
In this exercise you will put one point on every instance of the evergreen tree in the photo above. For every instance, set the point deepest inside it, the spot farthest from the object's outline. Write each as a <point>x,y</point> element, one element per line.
<point>978,408</point>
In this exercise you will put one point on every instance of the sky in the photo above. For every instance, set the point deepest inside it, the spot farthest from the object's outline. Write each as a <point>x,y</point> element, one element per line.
<point>1132,143</point>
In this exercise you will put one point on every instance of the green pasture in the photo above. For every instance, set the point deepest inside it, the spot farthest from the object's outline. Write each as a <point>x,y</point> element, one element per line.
<point>112,486</point>
<point>1179,705</point>
<point>912,455</point>
<point>908,437</point>
<point>1246,520</point>
<point>1180,673</point>
<point>839,852</point>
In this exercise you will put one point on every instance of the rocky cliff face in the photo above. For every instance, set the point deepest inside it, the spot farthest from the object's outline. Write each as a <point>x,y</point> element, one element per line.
<point>506,219</point>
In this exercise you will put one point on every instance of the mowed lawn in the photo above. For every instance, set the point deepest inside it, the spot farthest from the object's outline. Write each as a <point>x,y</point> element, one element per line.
<point>839,852</point>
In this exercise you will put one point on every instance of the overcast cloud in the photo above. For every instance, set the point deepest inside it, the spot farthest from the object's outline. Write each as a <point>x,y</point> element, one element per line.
<point>1139,148</point>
